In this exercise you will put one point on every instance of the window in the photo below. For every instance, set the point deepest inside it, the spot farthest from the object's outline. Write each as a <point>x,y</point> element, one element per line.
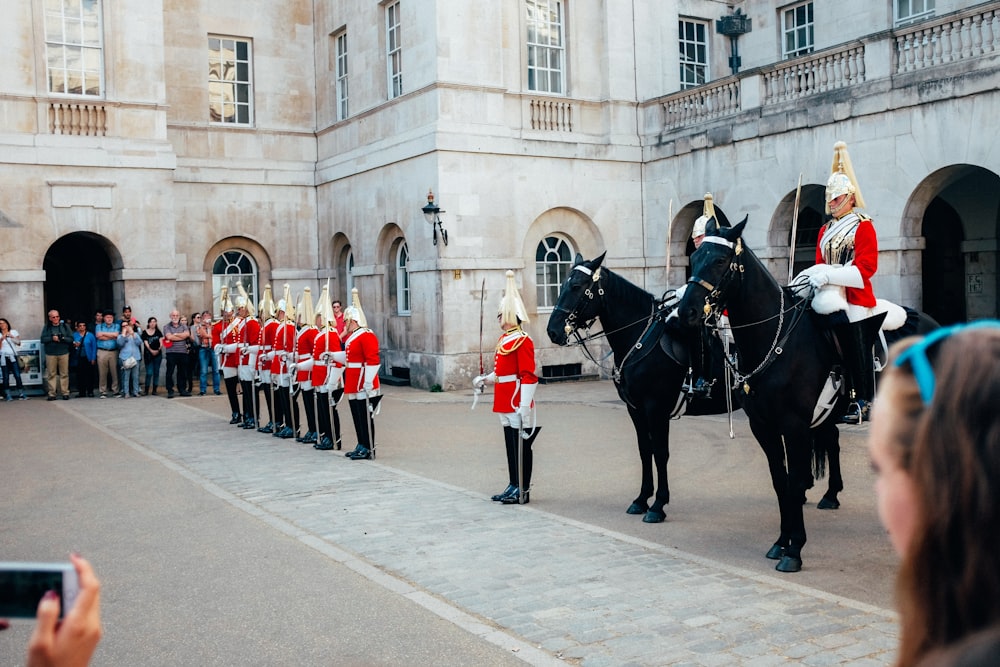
<point>74,47</point>
<point>341,71</point>
<point>230,87</point>
<point>694,53</point>
<point>402,280</point>
<point>553,261</point>
<point>233,268</point>
<point>349,276</point>
<point>912,11</point>
<point>546,50</point>
<point>797,29</point>
<point>393,50</point>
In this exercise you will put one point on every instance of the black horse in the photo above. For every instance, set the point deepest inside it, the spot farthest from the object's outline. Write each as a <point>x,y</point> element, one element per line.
<point>786,355</point>
<point>650,364</point>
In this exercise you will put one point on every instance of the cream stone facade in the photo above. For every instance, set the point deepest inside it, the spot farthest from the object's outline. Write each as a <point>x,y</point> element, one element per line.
<point>309,158</point>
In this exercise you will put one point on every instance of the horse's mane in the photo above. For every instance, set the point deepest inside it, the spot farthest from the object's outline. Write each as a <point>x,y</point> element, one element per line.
<point>790,291</point>
<point>624,293</point>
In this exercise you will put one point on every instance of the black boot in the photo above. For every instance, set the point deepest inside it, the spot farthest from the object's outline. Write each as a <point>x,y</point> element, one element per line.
<point>856,341</point>
<point>510,445</point>
<point>237,418</point>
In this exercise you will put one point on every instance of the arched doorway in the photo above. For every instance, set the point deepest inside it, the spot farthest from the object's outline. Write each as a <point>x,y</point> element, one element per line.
<point>78,270</point>
<point>943,263</point>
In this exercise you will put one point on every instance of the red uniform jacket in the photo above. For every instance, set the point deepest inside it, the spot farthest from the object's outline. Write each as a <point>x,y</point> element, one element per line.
<point>304,350</point>
<point>328,341</point>
<point>266,343</point>
<point>865,258</point>
<point>249,334</point>
<point>514,365</point>
<point>362,350</point>
<point>284,341</point>
<point>227,335</point>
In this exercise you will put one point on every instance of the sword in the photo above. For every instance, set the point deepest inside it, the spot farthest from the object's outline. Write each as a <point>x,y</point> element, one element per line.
<point>795,226</point>
<point>482,368</point>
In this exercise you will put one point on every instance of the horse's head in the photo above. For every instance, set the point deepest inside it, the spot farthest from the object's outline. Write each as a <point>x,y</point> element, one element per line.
<point>713,272</point>
<point>578,305</point>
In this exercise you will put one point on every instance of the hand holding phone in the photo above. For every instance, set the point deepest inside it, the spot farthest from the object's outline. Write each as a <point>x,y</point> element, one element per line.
<point>22,586</point>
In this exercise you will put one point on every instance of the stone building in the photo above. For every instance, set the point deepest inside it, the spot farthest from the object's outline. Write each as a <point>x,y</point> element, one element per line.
<point>152,151</point>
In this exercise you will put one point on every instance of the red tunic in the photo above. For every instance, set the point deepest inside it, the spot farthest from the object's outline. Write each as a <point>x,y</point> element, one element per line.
<point>249,335</point>
<point>328,341</point>
<point>303,350</point>
<point>514,365</point>
<point>228,334</point>
<point>865,258</point>
<point>362,350</point>
<point>266,343</point>
<point>284,341</point>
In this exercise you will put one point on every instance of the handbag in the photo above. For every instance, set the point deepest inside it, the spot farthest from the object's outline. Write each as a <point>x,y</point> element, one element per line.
<point>22,362</point>
<point>129,363</point>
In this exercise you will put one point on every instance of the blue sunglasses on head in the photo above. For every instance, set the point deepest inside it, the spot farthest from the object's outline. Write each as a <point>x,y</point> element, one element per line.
<point>916,355</point>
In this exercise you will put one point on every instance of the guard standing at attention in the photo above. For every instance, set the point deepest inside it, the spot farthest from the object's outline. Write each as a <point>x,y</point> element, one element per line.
<point>513,398</point>
<point>361,385</point>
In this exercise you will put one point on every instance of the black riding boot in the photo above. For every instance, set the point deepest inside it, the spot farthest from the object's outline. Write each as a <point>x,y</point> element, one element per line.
<point>528,461</point>
<point>510,444</point>
<point>856,341</point>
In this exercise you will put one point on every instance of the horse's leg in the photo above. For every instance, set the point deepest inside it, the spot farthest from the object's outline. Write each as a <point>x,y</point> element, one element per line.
<point>659,440</point>
<point>770,442</point>
<point>827,438</point>
<point>799,452</point>
<point>640,504</point>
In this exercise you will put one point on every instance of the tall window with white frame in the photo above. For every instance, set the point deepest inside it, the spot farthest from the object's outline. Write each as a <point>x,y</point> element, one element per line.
<point>694,53</point>
<point>553,261</point>
<point>797,30</point>
<point>402,280</point>
<point>912,11</point>
<point>233,268</point>
<point>341,73</point>
<point>74,47</point>
<point>546,46</point>
<point>393,50</point>
<point>230,81</point>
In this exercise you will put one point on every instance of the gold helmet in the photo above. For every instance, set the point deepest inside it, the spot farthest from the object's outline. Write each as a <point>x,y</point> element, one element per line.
<point>708,212</point>
<point>842,180</point>
<point>244,300</point>
<point>306,310</point>
<point>353,312</point>
<point>267,308</point>
<point>512,310</point>
<point>225,304</point>
<point>326,307</point>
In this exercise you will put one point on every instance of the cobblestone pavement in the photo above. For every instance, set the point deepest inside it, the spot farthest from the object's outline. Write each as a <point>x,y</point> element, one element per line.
<point>558,590</point>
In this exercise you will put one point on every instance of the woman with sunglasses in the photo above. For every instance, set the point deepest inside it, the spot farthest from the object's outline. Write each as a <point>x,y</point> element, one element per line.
<point>935,448</point>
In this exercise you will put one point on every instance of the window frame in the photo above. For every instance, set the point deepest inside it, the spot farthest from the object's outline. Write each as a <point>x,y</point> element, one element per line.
<point>808,40</point>
<point>244,85</point>
<point>547,292</point>
<point>56,11</point>
<point>240,260</point>
<point>687,64</point>
<point>402,279</point>
<point>536,25</point>
<point>340,74</point>
<point>393,49</point>
<point>900,20</point>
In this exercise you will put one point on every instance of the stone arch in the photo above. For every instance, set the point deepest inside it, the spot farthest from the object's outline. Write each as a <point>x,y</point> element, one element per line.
<point>83,273</point>
<point>569,223</point>
<point>253,249</point>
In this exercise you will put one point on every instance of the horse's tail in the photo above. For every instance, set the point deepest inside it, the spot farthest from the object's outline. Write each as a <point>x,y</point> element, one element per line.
<point>819,457</point>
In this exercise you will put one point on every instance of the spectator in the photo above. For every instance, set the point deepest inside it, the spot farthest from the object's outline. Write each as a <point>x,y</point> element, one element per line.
<point>935,448</point>
<point>338,314</point>
<point>194,352</point>
<point>176,335</point>
<point>86,362</point>
<point>152,353</point>
<point>129,356</point>
<point>107,358</point>
<point>10,343</point>
<point>56,339</point>
<point>209,362</point>
<point>127,317</point>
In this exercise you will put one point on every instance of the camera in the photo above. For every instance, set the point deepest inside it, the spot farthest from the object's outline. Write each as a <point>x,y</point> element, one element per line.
<point>22,586</point>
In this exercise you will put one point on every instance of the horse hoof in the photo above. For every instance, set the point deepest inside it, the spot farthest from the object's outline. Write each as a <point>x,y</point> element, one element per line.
<point>789,564</point>
<point>775,552</point>
<point>654,517</point>
<point>636,508</point>
<point>828,504</point>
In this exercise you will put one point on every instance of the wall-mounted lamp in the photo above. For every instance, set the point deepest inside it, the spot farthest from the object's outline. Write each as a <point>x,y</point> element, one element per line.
<point>733,25</point>
<point>431,214</point>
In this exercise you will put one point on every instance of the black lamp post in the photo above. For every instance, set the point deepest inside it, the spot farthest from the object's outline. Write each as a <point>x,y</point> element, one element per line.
<point>431,214</point>
<point>734,25</point>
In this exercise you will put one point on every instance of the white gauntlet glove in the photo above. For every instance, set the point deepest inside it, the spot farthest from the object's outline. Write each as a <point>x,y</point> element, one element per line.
<point>371,372</point>
<point>527,394</point>
<point>846,276</point>
<point>219,349</point>
<point>480,381</point>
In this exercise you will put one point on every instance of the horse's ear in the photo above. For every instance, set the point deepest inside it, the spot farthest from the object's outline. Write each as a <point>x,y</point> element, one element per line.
<point>738,229</point>
<point>579,260</point>
<point>712,227</point>
<point>597,261</point>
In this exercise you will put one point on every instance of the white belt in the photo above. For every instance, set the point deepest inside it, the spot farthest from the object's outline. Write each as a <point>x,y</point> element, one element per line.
<point>355,364</point>
<point>506,378</point>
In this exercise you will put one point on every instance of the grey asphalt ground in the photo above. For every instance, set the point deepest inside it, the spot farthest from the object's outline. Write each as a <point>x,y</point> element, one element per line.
<point>218,546</point>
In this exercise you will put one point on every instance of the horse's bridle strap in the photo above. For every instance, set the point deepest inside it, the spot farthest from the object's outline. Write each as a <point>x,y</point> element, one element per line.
<point>703,283</point>
<point>583,269</point>
<point>719,240</point>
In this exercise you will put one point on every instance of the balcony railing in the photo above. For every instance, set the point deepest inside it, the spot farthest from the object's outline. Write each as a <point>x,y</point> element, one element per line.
<point>78,118</point>
<point>959,36</point>
<point>551,115</point>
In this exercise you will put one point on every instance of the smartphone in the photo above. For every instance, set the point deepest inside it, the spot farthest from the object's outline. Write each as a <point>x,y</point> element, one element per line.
<point>22,586</point>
